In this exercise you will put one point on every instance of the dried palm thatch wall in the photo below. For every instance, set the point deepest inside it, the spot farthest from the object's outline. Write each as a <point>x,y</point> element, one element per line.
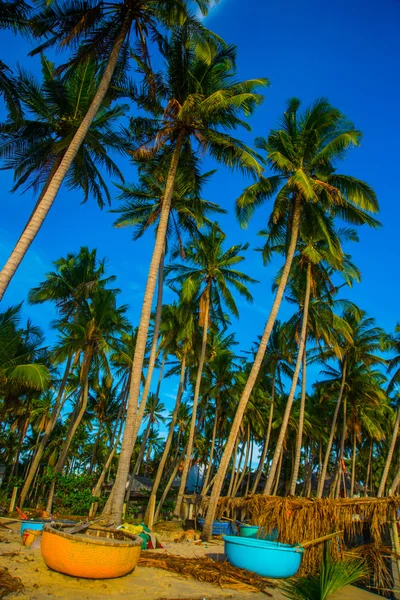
<point>303,519</point>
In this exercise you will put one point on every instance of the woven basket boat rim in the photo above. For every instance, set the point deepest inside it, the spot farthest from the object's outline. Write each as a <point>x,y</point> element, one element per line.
<point>129,542</point>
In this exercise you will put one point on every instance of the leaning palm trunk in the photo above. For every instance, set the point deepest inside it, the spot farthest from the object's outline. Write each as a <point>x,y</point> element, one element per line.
<point>266,444</point>
<point>160,469</point>
<point>212,506</point>
<point>286,416</point>
<point>140,348</point>
<point>389,457</point>
<point>149,376</point>
<point>299,439</point>
<point>192,430</point>
<point>321,480</point>
<point>48,431</point>
<point>45,204</point>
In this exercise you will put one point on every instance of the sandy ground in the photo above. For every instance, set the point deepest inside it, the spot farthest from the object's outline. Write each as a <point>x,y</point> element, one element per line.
<point>144,583</point>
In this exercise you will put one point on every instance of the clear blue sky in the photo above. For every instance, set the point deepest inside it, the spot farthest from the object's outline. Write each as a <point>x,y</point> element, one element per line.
<point>346,51</point>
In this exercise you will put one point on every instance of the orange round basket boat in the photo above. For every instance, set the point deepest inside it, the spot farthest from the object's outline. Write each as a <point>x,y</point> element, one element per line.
<point>101,553</point>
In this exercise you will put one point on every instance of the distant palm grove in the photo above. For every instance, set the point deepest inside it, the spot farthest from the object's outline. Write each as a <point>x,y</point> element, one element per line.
<point>81,418</point>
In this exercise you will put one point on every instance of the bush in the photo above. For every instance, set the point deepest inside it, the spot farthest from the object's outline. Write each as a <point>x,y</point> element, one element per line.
<point>74,493</point>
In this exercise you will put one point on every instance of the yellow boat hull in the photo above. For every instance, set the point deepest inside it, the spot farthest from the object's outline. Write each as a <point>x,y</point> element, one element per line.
<point>89,556</point>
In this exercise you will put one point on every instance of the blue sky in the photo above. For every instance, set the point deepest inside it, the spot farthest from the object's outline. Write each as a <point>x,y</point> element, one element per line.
<point>346,51</point>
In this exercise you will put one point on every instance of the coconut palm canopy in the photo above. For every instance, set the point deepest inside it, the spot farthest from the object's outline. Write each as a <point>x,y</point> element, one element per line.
<point>229,307</point>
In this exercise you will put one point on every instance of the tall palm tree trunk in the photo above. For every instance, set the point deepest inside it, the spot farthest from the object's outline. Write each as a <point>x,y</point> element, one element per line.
<point>169,484</point>
<point>353,464</point>
<point>266,443</point>
<point>45,204</point>
<point>150,370</point>
<point>395,483</point>
<point>286,416</point>
<point>95,448</point>
<point>153,350</point>
<point>168,443</point>
<point>369,465</point>
<point>278,475</point>
<point>237,470</point>
<point>211,457</point>
<point>249,467</point>
<point>223,466</point>
<point>189,452</point>
<point>100,481</point>
<point>321,479</point>
<point>299,439</point>
<point>48,431</point>
<point>245,465</point>
<point>234,458</point>
<point>389,457</point>
<point>140,348</point>
<point>340,468</point>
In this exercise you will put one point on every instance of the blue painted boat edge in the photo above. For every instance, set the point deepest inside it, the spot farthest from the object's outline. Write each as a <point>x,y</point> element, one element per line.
<point>257,543</point>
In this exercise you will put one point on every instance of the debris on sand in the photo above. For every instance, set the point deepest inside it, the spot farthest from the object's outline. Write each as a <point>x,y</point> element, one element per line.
<point>205,569</point>
<point>9,584</point>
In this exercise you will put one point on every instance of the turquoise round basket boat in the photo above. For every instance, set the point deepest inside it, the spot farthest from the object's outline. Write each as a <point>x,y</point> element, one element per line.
<point>266,558</point>
<point>252,531</point>
<point>38,524</point>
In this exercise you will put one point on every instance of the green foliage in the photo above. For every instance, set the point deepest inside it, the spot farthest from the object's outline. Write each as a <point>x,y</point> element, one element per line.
<point>74,493</point>
<point>333,577</point>
<point>21,354</point>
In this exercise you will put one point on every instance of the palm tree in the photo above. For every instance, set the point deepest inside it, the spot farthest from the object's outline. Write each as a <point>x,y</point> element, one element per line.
<point>14,16</point>
<point>154,414</point>
<point>76,278</point>
<point>177,333</point>
<point>276,364</point>
<point>22,356</point>
<point>104,32</point>
<point>317,260</point>
<point>9,91</point>
<point>392,342</point>
<point>92,334</point>
<point>141,209</point>
<point>302,155</point>
<point>104,401</point>
<point>35,145</point>
<point>204,103</point>
<point>361,348</point>
<point>205,280</point>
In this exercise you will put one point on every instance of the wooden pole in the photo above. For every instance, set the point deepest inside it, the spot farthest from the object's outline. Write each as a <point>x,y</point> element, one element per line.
<point>394,534</point>
<point>320,539</point>
<point>13,500</point>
